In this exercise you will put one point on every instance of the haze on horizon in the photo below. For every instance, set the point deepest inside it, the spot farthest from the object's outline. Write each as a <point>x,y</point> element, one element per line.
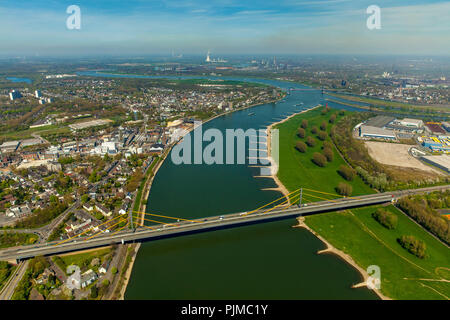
<point>415,27</point>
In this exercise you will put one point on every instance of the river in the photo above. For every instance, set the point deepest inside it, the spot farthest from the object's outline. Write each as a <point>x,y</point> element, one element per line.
<point>265,261</point>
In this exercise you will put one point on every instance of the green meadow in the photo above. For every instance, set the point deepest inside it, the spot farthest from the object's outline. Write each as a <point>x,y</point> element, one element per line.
<point>403,275</point>
<point>297,169</point>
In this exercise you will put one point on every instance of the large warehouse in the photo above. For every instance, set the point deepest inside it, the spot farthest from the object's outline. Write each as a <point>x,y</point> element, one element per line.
<point>375,132</point>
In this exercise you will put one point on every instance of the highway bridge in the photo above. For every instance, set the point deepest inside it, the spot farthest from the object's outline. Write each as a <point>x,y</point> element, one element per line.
<point>185,227</point>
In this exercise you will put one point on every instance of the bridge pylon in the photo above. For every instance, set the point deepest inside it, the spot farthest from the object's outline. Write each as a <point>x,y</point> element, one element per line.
<point>300,199</point>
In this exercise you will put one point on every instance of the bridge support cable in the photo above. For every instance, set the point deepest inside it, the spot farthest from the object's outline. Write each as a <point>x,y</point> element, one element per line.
<point>102,231</point>
<point>281,198</point>
<point>159,222</point>
<point>120,229</point>
<point>310,195</point>
<point>161,216</point>
<point>327,193</point>
<point>86,231</point>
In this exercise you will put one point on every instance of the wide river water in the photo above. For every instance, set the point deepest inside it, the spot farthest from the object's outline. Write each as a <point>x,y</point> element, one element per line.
<point>265,261</point>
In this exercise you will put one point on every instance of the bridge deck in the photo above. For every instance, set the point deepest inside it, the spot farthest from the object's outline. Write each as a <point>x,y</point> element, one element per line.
<point>205,224</point>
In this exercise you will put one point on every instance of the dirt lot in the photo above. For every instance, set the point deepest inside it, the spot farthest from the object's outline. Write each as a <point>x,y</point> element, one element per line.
<point>395,154</point>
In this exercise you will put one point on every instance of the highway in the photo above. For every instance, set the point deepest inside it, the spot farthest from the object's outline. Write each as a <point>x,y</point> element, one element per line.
<point>155,232</point>
<point>13,281</point>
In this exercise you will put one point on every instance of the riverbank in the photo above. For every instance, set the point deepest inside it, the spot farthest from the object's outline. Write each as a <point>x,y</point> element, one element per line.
<point>127,274</point>
<point>148,184</point>
<point>301,223</point>
<point>347,258</point>
<point>274,165</point>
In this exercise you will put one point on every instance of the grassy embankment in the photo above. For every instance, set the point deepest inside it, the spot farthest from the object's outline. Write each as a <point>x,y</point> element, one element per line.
<point>83,260</point>
<point>9,239</point>
<point>392,104</point>
<point>358,234</point>
<point>297,170</point>
<point>355,231</point>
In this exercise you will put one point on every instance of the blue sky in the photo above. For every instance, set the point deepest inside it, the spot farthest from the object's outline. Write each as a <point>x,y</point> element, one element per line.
<point>38,27</point>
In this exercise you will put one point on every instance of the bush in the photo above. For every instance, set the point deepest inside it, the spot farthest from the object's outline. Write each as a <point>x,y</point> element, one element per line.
<point>94,292</point>
<point>301,146</point>
<point>386,218</point>
<point>327,144</point>
<point>310,141</point>
<point>322,135</point>
<point>304,123</point>
<point>344,189</point>
<point>301,132</point>
<point>314,130</point>
<point>328,153</point>
<point>319,159</point>
<point>346,172</point>
<point>323,125</point>
<point>413,245</point>
<point>332,118</point>
<point>427,217</point>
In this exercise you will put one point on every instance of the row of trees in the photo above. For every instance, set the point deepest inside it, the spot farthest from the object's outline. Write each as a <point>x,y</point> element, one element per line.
<point>413,245</point>
<point>386,218</point>
<point>418,209</point>
<point>43,216</point>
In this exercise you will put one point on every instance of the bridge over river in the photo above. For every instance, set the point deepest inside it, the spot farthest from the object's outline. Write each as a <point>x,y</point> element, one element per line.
<point>185,227</point>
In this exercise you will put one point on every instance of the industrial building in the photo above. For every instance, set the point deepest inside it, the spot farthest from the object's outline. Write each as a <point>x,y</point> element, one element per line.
<point>434,128</point>
<point>9,146</point>
<point>446,126</point>
<point>379,121</point>
<point>375,132</point>
<point>415,123</point>
<point>442,161</point>
<point>13,95</point>
<point>436,144</point>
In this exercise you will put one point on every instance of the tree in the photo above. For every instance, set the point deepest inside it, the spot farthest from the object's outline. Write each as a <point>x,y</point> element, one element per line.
<point>84,198</point>
<point>385,218</point>
<point>332,118</point>
<point>322,135</point>
<point>314,130</point>
<point>310,141</point>
<point>301,146</point>
<point>304,123</point>
<point>344,189</point>
<point>327,144</point>
<point>94,292</point>
<point>328,153</point>
<point>346,172</point>
<point>301,132</point>
<point>113,270</point>
<point>413,245</point>
<point>323,125</point>
<point>319,159</point>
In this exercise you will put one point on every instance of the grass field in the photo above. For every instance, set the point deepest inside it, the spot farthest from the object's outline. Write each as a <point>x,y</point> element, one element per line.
<point>27,134</point>
<point>358,234</point>
<point>297,170</point>
<point>391,104</point>
<point>82,260</point>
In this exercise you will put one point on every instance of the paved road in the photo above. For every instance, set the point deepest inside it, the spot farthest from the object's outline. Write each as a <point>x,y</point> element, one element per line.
<point>8,289</point>
<point>204,224</point>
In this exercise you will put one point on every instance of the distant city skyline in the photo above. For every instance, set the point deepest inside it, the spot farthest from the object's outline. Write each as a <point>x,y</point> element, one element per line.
<point>224,27</point>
